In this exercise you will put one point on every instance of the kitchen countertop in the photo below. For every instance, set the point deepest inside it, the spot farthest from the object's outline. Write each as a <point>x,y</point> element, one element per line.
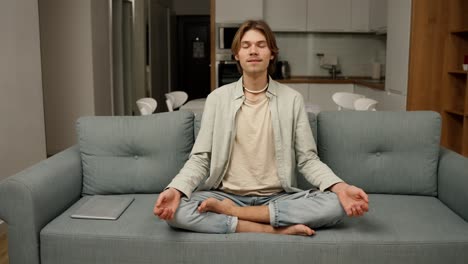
<point>359,80</point>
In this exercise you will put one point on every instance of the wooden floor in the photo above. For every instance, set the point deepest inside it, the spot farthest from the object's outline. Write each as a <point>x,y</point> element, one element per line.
<point>3,245</point>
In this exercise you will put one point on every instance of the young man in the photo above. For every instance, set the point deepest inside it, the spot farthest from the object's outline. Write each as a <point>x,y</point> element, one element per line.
<point>254,133</point>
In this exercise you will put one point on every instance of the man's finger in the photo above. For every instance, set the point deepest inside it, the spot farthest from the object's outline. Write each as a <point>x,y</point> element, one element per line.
<point>157,211</point>
<point>365,207</point>
<point>364,196</point>
<point>161,199</point>
<point>163,214</point>
<point>359,211</point>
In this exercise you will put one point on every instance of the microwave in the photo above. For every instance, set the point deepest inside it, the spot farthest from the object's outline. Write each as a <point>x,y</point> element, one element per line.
<point>225,36</point>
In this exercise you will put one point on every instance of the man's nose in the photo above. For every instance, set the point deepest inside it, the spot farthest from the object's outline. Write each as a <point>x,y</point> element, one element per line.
<point>253,50</point>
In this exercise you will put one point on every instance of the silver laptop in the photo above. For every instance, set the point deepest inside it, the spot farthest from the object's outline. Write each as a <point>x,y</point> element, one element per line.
<point>103,207</point>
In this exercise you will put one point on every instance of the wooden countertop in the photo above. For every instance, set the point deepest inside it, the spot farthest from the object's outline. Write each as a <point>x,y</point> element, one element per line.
<point>359,80</point>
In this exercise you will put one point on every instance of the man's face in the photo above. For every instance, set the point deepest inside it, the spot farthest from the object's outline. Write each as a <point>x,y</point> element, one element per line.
<point>254,54</point>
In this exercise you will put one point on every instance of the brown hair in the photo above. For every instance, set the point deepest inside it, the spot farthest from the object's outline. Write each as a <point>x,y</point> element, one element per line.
<point>263,27</point>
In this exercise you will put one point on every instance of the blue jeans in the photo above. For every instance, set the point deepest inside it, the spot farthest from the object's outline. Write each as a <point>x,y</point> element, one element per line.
<point>313,208</point>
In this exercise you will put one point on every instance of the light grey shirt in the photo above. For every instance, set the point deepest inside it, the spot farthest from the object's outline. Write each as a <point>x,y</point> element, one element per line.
<point>294,143</point>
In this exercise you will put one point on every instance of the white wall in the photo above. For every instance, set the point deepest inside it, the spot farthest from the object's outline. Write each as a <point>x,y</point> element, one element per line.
<point>356,52</point>
<point>75,83</point>
<point>22,136</point>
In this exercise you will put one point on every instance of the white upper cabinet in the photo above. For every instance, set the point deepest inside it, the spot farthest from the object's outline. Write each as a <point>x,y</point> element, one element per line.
<point>308,15</point>
<point>286,15</point>
<point>378,15</point>
<point>228,11</point>
<point>360,15</point>
<point>328,15</point>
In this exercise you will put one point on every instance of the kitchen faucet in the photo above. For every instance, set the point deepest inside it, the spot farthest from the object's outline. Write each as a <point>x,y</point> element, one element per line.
<point>334,71</point>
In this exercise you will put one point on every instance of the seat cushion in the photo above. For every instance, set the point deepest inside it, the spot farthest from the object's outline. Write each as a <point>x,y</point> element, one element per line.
<point>398,229</point>
<point>382,152</point>
<point>133,154</point>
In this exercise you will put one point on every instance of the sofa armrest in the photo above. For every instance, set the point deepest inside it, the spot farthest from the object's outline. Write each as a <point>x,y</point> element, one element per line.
<point>32,198</point>
<point>453,181</point>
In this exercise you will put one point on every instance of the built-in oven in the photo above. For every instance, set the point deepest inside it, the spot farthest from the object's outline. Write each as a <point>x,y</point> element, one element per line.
<point>227,72</point>
<point>226,69</point>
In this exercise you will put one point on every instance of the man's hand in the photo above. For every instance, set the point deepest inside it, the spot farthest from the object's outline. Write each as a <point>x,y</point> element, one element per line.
<point>353,199</point>
<point>167,204</point>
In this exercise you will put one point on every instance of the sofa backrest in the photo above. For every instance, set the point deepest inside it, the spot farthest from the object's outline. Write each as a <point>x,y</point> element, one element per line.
<point>382,152</point>
<point>133,154</point>
<point>311,116</point>
<point>197,124</point>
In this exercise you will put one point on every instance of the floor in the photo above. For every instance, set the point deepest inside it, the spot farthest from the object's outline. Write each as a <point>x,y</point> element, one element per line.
<point>3,245</point>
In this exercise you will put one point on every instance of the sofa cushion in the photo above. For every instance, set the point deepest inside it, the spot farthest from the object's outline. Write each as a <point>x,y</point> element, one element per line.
<point>133,154</point>
<point>382,152</point>
<point>397,229</point>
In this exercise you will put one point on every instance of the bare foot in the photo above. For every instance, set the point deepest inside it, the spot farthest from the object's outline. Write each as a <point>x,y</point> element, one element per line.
<point>213,205</point>
<point>301,230</point>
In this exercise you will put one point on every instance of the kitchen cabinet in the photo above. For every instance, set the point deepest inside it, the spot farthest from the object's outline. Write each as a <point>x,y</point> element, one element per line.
<point>300,15</point>
<point>286,15</point>
<point>338,15</point>
<point>386,101</point>
<point>360,15</point>
<point>398,39</point>
<point>228,11</point>
<point>378,15</point>
<point>328,15</point>
<point>302,88</point>
<point>321,94</point>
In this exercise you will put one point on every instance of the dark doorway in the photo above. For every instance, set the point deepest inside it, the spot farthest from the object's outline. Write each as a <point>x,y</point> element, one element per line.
<point>193,56</point>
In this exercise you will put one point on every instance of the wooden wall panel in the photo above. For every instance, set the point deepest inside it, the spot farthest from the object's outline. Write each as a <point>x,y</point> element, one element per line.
<point>427,45</point>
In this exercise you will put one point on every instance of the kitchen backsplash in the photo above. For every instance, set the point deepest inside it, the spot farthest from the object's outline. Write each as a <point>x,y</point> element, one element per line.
<point>356,52</point>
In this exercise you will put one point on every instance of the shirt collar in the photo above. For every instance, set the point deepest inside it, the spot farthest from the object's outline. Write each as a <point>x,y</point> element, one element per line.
<point>239,90</point>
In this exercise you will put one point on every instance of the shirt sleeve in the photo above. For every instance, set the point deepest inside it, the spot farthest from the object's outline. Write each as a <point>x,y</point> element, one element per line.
<point>309,164</point>
<point>197,167</point>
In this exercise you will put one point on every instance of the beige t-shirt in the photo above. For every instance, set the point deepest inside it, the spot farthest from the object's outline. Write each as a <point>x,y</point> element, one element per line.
<point>252,168</point>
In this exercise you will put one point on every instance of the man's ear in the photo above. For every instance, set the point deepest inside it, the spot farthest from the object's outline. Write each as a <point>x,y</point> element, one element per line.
<point>236,57</point>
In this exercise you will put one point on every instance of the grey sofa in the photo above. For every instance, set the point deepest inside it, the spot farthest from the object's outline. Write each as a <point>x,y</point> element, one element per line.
<point>418,196</point>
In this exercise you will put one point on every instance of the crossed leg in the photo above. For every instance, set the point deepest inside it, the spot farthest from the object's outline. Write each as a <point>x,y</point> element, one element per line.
<point>251,218</point>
